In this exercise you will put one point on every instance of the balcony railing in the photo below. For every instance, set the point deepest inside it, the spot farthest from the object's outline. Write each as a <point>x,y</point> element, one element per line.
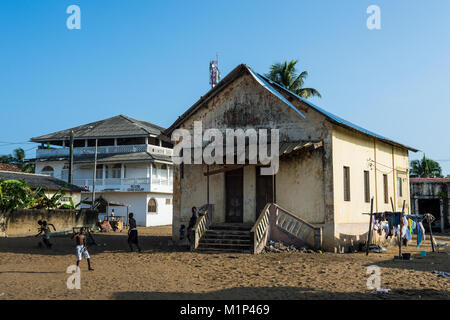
<point>126,185</point>
<point>64,152</point>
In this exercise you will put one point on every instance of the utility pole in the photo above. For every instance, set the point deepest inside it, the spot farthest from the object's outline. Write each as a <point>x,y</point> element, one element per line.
<point>95,174</point>
<point>71,158</point>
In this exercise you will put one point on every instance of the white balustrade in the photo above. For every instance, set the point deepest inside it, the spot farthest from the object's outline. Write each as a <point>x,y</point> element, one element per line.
<point>127,184</point>
<point>64,152</point>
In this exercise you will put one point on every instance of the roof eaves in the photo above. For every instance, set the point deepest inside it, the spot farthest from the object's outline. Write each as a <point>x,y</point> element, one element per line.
<point>262,81</point>
<point>338,120</point>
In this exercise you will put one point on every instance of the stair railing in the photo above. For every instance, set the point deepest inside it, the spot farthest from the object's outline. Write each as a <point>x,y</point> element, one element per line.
<point>203,223</point>
<point>298,228</point>
<point>260,230</point>
<point>286,221</point>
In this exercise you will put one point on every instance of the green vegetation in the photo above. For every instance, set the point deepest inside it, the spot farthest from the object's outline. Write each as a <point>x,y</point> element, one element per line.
<point>286,75</point>
<point>18,159</point>
<point>425,168</point>
<point>16,194</point>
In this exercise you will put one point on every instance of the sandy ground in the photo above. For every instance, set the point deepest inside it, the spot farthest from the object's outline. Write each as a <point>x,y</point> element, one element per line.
<point>164,271</point>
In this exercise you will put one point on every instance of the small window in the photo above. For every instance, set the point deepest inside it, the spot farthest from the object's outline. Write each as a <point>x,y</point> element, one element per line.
<point>399,187</point>
<point>48,171</point>
<point>151,206</point>
<point>99,172</point>
<point>117,171</point>
<point>65,173</point>
<point>385,188</point>
<point>366,186</point>
<point>168,201</point>
<point>346,183</point>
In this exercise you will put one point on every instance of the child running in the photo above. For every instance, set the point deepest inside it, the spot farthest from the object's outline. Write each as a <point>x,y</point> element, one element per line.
<point>81,249</point>
<point>45,228</point>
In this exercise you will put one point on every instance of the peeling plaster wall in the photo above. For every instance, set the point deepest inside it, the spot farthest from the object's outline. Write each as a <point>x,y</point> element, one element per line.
<point>299,186</point>
<point>245,104</point>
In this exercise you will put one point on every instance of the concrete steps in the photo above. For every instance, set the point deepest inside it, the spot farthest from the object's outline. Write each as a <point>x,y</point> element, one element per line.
<point>227,237</point>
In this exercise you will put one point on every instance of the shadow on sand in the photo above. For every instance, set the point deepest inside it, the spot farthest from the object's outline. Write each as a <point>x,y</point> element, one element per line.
<point>281,293</point>
<point>106,242</point>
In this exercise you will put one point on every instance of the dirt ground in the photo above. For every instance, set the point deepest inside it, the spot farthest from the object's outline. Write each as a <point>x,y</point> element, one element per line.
<point>165,271</point>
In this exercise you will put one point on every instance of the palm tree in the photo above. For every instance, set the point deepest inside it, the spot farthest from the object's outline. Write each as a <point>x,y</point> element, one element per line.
<point>285,75</point>
<point>425,168</point>
<point>18,159</point>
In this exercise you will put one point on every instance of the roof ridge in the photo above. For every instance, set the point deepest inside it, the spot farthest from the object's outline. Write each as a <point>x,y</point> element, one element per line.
<point>133,121</point>
<point>28,173</point>
<point>334,117</point>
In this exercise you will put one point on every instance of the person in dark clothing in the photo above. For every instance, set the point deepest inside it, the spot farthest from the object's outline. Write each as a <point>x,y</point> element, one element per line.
<point>192,222</point>
<point>45,228</point>
<point>132,233</point>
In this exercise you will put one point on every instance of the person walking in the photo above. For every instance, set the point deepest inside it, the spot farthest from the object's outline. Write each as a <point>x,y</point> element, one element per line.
<point>132,233</point>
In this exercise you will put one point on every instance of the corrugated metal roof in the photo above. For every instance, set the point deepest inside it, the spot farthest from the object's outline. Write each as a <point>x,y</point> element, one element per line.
<point>119,157</point>
<point>429,180</point>
<point>290,147</point>
<point>35,181</point>
<point>335,118</point>
<point>9,167</point>
<point>118,126</point>
<point>273,88</point>
<point>285,148</point>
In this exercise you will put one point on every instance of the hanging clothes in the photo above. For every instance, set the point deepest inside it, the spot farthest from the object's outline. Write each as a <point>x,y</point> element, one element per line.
<point>405,227</point>
<point>423,231</point>
<point>410,226</point>
<point>419,235</point>
<point>414,226</point>
<point>397,218</point>
<point>391,221</point>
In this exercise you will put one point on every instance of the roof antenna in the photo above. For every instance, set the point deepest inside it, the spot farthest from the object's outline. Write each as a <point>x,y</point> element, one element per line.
<point>214,72</point>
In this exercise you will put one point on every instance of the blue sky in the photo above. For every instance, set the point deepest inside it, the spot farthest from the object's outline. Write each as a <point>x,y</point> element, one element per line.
<point>149,60</point>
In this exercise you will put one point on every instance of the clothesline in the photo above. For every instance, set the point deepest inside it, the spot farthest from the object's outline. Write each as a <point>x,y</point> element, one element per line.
<point>398,223</point>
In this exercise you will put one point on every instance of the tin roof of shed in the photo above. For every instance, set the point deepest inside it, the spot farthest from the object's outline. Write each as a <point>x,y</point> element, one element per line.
<point>429,180</point>
<point>276,90</point>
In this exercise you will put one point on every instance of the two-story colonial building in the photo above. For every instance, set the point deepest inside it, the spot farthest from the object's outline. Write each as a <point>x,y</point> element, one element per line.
<point>134,166</point>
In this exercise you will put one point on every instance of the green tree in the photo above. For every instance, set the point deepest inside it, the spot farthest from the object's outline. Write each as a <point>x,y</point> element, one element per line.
<point>425,168</point>
<point>286,75</point>
<point>18,159</point>
<point>15,194</point>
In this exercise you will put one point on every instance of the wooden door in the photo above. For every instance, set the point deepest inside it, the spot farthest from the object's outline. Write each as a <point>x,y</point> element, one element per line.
<point>234,188</point>
<point>264,191</point>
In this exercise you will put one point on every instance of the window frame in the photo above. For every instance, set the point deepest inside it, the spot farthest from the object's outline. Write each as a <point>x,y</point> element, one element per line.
<point>386,188</point>
<point>400,186</point>
<point>366,186</point>
<point>347,192</point>
<point>155,206</point>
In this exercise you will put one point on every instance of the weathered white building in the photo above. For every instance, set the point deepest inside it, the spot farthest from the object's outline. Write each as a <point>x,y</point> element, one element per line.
<point>330,170</point>
<point>134,165</point>
<point>432,195</point>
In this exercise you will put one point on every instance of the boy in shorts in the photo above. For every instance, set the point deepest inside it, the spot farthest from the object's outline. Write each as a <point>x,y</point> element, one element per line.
<point>81,249</point>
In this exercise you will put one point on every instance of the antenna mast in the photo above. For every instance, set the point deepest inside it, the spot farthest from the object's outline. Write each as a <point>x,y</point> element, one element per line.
<point>214,73</point>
